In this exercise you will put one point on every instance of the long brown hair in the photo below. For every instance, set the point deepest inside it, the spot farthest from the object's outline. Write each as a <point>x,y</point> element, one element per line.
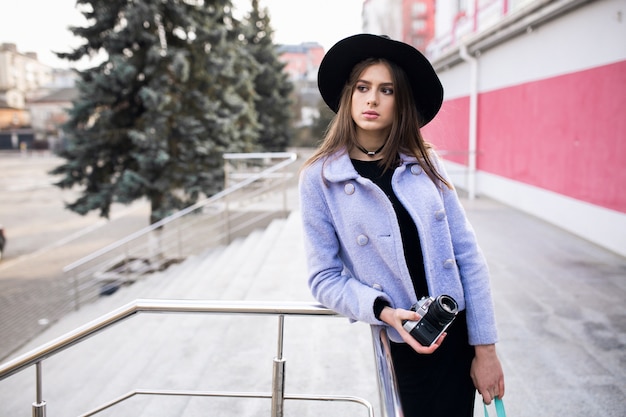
<point>405,135</point>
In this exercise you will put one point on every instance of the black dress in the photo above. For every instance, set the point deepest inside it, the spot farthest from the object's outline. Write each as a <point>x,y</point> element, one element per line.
<point>432,385</point>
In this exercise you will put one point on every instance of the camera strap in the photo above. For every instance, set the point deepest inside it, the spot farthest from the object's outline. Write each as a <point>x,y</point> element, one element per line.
<point>499,408</point>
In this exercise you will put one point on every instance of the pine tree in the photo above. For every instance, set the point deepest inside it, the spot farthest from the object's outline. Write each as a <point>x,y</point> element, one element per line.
<point>174,93</point>
<point>321,122</point>
<point>272,85</point>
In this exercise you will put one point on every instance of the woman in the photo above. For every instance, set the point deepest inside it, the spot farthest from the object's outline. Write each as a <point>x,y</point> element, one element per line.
<point>384,227</point>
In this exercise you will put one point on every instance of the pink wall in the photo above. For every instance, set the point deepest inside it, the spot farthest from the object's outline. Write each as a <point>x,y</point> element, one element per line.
<point>449,131</point>
<point>565,134</point>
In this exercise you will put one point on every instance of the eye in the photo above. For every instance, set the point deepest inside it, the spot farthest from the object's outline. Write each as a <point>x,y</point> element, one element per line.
<point>387,90</point>
<point>361,87</point>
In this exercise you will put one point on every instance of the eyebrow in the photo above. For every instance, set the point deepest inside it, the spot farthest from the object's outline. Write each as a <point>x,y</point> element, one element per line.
<point>369,82</point>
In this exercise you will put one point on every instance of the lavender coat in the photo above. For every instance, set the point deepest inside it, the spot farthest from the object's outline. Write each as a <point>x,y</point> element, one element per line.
<point>355,253</point>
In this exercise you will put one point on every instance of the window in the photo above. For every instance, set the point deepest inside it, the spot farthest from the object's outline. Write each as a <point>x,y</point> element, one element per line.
<point>418,9</point>
<point>418,25</point>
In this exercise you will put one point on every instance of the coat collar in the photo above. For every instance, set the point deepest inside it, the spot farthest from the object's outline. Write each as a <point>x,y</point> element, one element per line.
<point>338,166</point>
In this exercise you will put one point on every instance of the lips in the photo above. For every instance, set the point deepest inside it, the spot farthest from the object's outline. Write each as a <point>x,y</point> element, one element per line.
<point>370,114</point>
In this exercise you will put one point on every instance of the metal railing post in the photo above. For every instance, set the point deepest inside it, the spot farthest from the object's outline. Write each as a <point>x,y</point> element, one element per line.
<point>227,219</point>
<point>81,272</point>
<point>278,377</point>
<point>277,396</point>
<point>285,196</point>
<point>387,385</point>
<point>76,291</point>
<point>179,238</point>
<point>39,406</point>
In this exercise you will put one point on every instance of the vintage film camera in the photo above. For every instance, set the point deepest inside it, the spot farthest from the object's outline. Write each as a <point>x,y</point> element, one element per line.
<point>436,315</point>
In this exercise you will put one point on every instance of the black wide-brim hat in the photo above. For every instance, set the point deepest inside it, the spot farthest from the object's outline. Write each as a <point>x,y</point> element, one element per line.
<point>338,62</point>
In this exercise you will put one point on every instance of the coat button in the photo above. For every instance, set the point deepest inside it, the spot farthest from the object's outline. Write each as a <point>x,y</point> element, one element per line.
<point>449,263</point>
<point>362,240</point>
<point>416,169</point>
<point>377,287</point>
<point>440,214</point>
<point>349,188</point>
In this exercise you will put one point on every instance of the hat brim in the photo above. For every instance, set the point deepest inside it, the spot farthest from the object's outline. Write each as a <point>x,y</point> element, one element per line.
<point>338,62</point>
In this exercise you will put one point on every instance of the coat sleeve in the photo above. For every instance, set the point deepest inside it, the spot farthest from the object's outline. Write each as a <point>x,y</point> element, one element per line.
<point>331,283</point>
<point>473,269</point>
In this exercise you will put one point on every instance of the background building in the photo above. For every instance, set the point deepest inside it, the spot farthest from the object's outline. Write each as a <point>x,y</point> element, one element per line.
<point>411,21</point>
<point>20,75</point>
<point>301,63</point>
<point>418,22</point>
<point>535,95</point>
<point>48,113</point>
<point>25,122</point>
<point>383,17</point>
<point>456,20</point>
<point>533,113</point>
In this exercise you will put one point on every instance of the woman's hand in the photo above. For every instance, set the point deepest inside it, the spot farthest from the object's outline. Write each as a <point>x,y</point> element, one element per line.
<point>395,316</point>
<point>487,373</point>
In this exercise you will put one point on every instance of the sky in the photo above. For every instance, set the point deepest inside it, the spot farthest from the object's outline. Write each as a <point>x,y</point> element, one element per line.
<point>41,25</point>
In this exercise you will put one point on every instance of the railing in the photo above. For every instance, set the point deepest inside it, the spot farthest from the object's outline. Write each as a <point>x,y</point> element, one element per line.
<point>386,377</point>
<point>255,194</point>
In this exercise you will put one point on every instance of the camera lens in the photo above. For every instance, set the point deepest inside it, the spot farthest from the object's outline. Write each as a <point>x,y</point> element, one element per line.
<point>443,309</point>
<point>448,304</point>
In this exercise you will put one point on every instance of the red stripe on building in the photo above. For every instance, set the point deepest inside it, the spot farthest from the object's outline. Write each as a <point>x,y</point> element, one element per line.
<point>449,131</point>
<point>565,134</point>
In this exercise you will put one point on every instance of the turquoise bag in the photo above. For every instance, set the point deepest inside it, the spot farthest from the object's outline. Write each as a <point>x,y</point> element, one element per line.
<point>499,408</point>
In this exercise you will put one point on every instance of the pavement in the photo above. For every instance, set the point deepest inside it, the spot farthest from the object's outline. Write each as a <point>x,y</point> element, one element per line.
<point>559,303</point>
<point>42,238</point>
<point>561,315</point>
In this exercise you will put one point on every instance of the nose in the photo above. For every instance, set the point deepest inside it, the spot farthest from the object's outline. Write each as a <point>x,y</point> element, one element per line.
<point>372,99</point>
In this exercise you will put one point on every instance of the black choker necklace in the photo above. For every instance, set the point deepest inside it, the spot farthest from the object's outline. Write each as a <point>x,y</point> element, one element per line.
<point>369,153</point>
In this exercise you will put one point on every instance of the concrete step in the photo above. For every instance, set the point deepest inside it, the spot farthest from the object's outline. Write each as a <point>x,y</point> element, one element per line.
<point>549,288</point>
<point>283,274</point>
<point>207,353</point>
<point>213,282</point>
<point>252,258</point>
<point>183,285</point>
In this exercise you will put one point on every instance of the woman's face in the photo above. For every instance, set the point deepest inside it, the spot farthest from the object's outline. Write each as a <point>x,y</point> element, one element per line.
<point>373,101</point>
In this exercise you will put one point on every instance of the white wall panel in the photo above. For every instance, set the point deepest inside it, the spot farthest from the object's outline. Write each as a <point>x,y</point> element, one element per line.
<point>591,36</point>
<point>606,228</point>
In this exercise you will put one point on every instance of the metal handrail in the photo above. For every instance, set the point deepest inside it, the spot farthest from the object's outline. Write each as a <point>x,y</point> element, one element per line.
<point>386,377</point>
<point>227,214</point>
<point>157,306</point>
<point>291,157</point>
<point>227,394</point>
<point>387,383</point>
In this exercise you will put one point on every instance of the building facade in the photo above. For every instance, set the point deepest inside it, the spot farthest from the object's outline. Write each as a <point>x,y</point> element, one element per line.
<point>383,17</point>
<point>25,121</point>
<point>410,21</point>
<point>20,75</point>
<point>301,64</point>
<point>301,61</point>
<point>534,107</point>
<point>48,113</point>
<point>535,92</point>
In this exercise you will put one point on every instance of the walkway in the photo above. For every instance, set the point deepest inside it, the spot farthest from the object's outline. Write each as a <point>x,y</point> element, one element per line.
<point>559,301</point>
<point>561,315</point>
